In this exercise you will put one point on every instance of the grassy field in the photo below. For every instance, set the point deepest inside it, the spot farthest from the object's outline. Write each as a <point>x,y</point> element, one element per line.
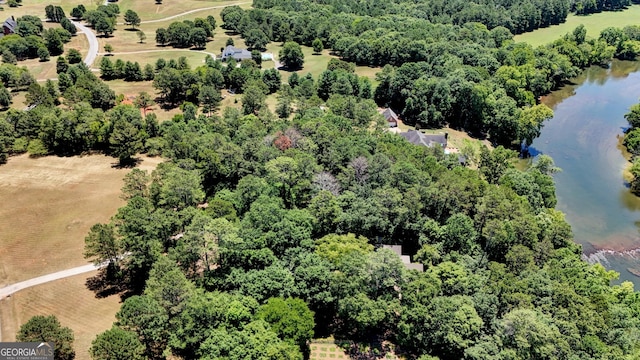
<point>594,24</point>
<point>73,304</point>
<point>36,7</point>
<point>150,11</point>
<point>315,64</point>
<point>48,205</point>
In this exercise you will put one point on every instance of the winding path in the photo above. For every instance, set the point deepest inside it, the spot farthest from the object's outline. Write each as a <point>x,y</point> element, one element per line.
<point>9,290</point>
<point>191,12</point>
<point>93,43</point>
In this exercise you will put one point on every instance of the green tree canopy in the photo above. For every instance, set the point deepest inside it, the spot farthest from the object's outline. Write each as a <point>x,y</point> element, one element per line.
<point>48,329</point>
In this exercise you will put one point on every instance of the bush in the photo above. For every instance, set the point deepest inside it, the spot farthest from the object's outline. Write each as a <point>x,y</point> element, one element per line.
<point>20,145</point>
<point>43,54</point>
<point>8,57</point>
<point>36,148</point>
<point>74,56</point>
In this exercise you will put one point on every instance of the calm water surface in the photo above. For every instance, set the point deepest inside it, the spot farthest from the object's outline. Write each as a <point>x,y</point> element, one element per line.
<point>584,140</point>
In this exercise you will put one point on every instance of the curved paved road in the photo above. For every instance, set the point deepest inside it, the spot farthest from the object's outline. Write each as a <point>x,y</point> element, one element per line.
<point>93,43</point>
<point>9,290</point>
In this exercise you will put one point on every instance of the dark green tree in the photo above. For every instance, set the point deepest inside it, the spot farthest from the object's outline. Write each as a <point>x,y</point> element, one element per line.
<point>116,344</point>
<point>74,56</point>
<point>48,329</point>
<point>291,56</point>
<point>317,46</point>
<point>131,18</point>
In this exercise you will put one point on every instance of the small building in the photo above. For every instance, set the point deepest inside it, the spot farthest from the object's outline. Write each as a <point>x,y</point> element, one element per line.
<point>233,52</point>
<point>418,138</point>
<point>406,259</point>
<point>9,26</point>
<point>391,117</point>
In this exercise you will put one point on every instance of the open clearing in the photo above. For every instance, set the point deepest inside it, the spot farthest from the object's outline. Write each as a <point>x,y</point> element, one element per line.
<point>594,24</point>
<point>147,10</point>
<point>75,306</point>
<point>48,206</point>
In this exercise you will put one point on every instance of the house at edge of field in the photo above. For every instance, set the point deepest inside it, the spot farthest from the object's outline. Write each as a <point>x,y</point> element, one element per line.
<point>9,26</point>
<point>391,117</point>
<point>236,53</point>
<point>406,259</point>
<point>418,138</point>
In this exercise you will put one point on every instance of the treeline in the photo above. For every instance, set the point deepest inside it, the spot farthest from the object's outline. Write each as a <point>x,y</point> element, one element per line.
<point>631,142</point>
<point>129,70</point>
<point>44,128</point>
<point>251,212</point>
<point>517,16</point>
<point>187,33</point>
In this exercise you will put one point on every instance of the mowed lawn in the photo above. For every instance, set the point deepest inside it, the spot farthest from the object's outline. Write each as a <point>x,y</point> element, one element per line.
<point>70,301</point>
<point>594,24</point>
<point>36,7</point>
<point>148,10</point>
<point>315,64</point>
<point>48,205</point>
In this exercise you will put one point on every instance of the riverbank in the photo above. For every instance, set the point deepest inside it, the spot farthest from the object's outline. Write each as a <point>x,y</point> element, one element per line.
<point>584,139</point>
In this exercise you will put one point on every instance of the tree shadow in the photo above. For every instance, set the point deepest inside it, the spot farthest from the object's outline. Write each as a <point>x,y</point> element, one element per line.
<point>109,281</point>
<point>126,163</point>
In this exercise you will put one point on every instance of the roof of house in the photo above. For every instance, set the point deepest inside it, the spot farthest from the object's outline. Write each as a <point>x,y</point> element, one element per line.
<point>10,24</point>
<point>236,53</point>
<point>389,114</point>
<point>418,138</point>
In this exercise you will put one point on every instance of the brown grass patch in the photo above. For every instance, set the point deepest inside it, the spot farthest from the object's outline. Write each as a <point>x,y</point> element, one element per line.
<point>48,206</point>
<point>150,11</point>
<point>68,299</point>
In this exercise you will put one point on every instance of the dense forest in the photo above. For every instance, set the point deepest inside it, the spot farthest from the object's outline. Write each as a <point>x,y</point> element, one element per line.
<point>517,16</point>
<point>298,210</point>
<point>261,231</point>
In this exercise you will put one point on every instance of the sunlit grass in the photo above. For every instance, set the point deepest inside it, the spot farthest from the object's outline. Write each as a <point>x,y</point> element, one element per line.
<point>594,24</point>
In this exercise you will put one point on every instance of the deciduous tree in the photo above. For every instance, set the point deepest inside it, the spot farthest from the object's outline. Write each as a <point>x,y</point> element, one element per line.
<point>291,55</point>
<point>116,344</point>
<point>131,18</point>
<point>48,329</point>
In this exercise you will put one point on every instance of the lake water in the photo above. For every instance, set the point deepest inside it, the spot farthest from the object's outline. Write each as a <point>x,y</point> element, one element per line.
<point>584,139</point>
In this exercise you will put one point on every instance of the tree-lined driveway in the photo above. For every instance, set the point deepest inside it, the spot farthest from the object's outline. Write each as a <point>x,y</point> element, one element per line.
<point>93,43</point>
